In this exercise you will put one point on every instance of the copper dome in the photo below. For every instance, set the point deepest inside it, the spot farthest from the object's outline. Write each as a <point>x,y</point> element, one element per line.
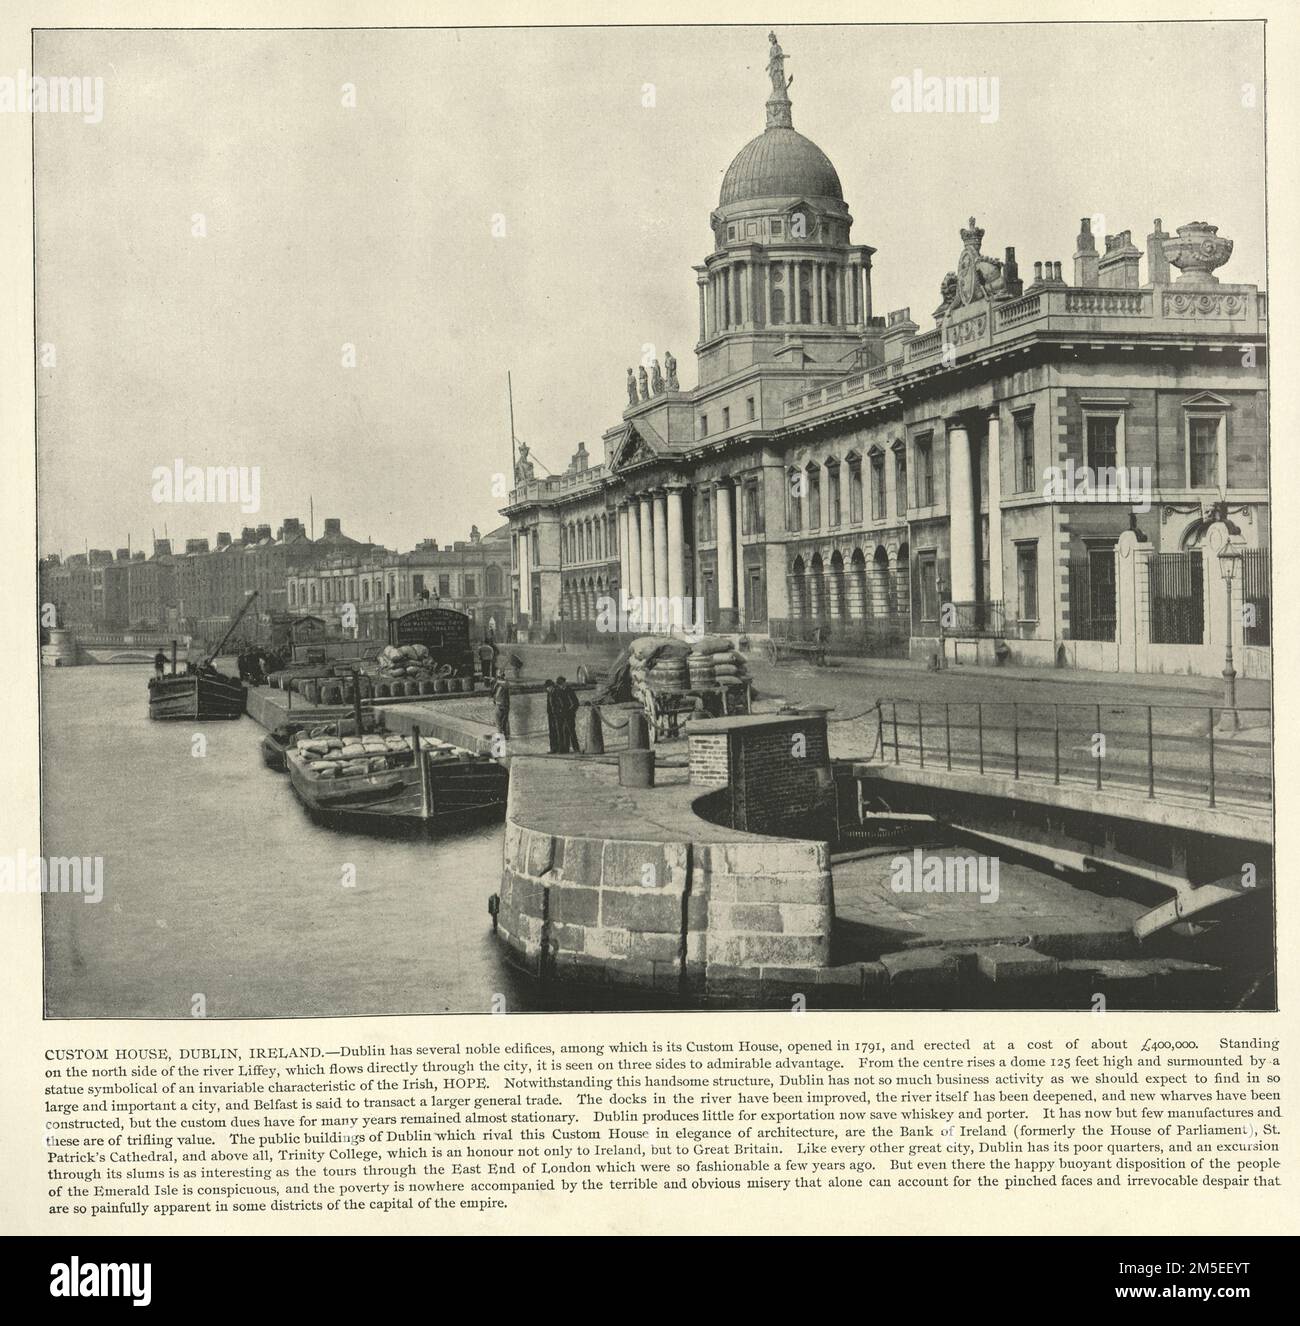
<point>780,163</point>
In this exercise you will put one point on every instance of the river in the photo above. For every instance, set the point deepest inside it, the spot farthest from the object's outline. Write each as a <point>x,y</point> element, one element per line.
<point>216,883</point>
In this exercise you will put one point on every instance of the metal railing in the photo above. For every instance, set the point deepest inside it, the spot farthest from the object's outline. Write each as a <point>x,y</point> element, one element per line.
<point>1170,751</point>
<point>882,636</point>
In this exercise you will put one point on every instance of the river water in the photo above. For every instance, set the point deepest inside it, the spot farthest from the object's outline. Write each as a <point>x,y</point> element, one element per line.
<point>217,884</point>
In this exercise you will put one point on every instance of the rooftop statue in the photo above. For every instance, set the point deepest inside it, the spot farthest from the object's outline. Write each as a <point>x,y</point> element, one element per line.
<point>776,67</point>
<point>643,383</point>
<point>670,368</point>
<point>656,379</point>
<point>631,387</point>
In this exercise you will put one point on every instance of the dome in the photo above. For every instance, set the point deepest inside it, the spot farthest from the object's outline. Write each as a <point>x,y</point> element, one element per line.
<point>780,163</point>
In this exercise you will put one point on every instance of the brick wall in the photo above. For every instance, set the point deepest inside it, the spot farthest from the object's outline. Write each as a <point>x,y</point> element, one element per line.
<point>709,759</point>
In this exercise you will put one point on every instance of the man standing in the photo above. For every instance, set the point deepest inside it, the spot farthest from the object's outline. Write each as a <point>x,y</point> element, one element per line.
<point>501,699</point>
<point>554,718</point>
<point>569,716</point>
<point>159,663</point>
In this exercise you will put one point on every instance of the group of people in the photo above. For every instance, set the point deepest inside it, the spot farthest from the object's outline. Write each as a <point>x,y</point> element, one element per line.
<point>561,713</point>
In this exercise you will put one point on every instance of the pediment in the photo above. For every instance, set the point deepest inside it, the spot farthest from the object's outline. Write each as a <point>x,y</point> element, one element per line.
<point>1208,399</point>
<point>636,446</point>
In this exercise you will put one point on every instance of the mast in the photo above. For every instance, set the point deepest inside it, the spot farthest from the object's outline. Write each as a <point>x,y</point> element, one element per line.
<point>510,392</point>
<point>248,603</point>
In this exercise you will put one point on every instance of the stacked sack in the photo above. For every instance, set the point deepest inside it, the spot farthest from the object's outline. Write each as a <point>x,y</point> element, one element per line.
<point>411,662</point>
<point>663,662</point>
<point>713,662</point>
<point>341,757</point>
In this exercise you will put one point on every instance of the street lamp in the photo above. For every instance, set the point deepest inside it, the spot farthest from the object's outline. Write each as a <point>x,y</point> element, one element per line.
<point>1229,560</point>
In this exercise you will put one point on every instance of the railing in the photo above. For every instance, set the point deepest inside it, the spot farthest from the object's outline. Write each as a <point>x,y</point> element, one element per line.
<point>1020,310</point>
<point>1092,598</point>
<point>879,636</point>
<point>1177,598</point>
<point>1257,595</point>
<point>1170,751</point>
<point>972,619</point>
<point>923,345</point>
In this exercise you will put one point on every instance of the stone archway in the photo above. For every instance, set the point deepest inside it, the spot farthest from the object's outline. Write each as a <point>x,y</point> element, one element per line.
<point>835,586</point>
<point>857,601</point>
<point>817,587</point>
<point>798,589</point>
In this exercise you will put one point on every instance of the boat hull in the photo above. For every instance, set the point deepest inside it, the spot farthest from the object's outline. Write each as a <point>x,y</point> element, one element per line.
<point>196,697</point>
<point>390,801</point>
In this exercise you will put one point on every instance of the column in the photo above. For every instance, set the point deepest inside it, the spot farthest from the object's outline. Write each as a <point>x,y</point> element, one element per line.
<point>676,556</point>
<point>742,280</point>
<point>624,568</point>
<point>994,592</point>
<point>661,556</point>
<point>634,557</point>
<point>704,329</point>
<point>961,515</point>
<point>647,561</point>
<point>726,560</point>
<point>791,292</point>
<point>525,577</point>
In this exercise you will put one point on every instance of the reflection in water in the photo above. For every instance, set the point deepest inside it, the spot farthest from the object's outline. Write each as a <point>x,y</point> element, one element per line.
<point>216,882</point>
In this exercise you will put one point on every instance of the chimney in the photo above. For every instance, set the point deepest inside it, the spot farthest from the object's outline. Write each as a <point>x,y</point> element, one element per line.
<point>1157,263</point>
<point>100,556</point>
<point>162,547</point>
<point>223,539</point>
<point>124,554</point>
<point>291,528</point>
<point>1011,274</point>
<point>248,534</point>
<point>1085,255</point>
<point>263,532</point>
<point>333,525</point>
<point>196,545</point>
<point>1118,268</point>
<point>138,555</point>
<point>899,329</point>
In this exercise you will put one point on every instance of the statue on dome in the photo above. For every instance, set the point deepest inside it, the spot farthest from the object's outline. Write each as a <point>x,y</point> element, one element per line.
<point>643,382</point>
<point>670,368</point>
<point>656,379</point>
<point>776,67</point>
<point>631,388</point>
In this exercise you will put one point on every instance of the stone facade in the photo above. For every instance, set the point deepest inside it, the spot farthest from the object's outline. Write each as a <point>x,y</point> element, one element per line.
<point>908,490</point>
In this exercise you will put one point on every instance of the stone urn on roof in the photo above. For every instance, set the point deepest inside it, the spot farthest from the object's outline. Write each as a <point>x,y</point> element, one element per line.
<point>1197,251</point>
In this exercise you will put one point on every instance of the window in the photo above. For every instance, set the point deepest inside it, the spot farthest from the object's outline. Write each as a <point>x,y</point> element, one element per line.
<point>1203,451</point>
<point>928,577</point>
<point>704,425</point>
<point>778,228</point>
<point>877,486</point>
<point>704,505</point>
<point>444,586</point>
<point>855,491</point>
<point>1103,448</point>
<point>1026,470</point>
<point>751,507</point>
<point>493,579</point>
<point>900,478</point>
<point>833,492</point>
<point>536,559</point>
<point>814,497</point>
<point>750,411</point>
<point>925,470</point>
<point>1027,580</point>
<point>794,513</point>
<point>469,586</point>
<point>778,294</point>
<point>417,584</point>
<point>726,417</point>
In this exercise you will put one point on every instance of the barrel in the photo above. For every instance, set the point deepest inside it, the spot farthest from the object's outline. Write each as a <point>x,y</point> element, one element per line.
<point>331,693</point>
<point>440,685</point>
<point>426,688</point>
<point>636,768</point>
<point>311,692</point>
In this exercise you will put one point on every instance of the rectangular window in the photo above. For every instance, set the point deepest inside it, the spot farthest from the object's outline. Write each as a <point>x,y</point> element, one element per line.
<point>468,587</point>
<point>925,470</point>
<point>778,228</point>
<point>750,410</point>
<point>444,587</point>
<point>814,498</point>
<point>1026,470</point>
<point>900,481</point>
<point>1203,452</point>
<point>833,495</point>
<point>1103,453</point>
<point>1027,580</point>
<point>726,417</point>
<point>928,577</point>
<point>855,492</point>
<point>794,504</point>
<point>751,510</point>
<point>704,425</point>
<point>877,488</point>
<point>417,585</point>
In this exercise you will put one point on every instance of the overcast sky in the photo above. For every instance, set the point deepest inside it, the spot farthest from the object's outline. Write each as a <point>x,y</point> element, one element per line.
<point>373,226</point>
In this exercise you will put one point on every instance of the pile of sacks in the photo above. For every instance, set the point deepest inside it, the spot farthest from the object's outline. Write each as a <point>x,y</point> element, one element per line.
<point>663,662</point>
<point>713,661</point>
<point>411,661</point>
<point>341,757</point>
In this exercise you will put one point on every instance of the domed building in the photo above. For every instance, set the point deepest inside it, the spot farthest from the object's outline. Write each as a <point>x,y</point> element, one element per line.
<point>889,488</point>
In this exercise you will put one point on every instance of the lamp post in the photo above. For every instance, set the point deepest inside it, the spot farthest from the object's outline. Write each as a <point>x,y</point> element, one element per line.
<point>1229,560</point>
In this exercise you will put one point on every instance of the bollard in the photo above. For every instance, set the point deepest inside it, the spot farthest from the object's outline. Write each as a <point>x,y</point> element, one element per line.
<point>595,735</point>
<point>638,730</point>
<point>636,768</point>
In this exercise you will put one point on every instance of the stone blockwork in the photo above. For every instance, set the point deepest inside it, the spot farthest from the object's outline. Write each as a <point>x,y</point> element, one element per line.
<point>678,917</point>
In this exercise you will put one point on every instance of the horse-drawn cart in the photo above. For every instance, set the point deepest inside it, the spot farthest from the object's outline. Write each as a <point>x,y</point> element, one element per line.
<point>666,707</point>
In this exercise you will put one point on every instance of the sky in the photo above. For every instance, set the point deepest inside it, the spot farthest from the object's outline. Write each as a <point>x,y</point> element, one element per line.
<point>531,201</point>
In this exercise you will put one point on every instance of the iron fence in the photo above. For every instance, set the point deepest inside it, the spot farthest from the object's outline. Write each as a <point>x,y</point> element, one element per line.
<point>1177,594</point>
<point>1257,594</point>
<point>1152,750</point>
<point>1092,597</point>
<point>883,636</point>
